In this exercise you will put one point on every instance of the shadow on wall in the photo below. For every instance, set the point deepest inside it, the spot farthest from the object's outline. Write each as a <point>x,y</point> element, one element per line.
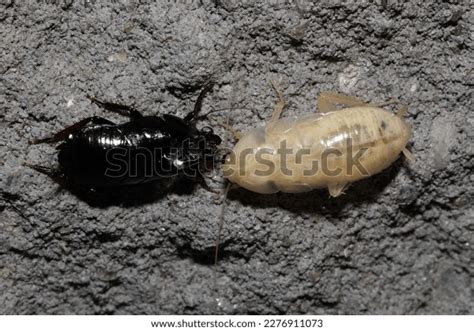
<point>134,195</point>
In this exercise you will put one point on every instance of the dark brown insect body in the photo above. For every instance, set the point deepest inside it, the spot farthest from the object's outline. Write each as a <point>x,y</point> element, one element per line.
<point>96,152</point>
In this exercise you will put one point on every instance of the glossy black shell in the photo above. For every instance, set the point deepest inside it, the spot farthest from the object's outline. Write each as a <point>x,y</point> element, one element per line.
<point>139,151</point>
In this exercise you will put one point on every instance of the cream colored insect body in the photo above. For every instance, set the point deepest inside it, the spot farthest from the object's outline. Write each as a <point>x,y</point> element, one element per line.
<point>332,148</point>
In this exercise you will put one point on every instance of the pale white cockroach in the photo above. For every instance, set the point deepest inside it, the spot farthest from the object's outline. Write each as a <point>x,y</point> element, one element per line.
<point>331,148</point>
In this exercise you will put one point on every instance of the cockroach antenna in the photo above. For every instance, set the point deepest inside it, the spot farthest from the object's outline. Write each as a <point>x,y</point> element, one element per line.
<point>219,232</point>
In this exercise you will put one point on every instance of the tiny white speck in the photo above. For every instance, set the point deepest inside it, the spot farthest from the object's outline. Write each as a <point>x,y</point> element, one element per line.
<point>119,57</point>
<point>70,102</point>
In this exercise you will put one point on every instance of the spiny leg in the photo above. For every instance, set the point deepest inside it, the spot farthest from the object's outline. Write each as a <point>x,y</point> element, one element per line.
<point>409,155</point>
<point>55,174</point>
<point>193,116</point>
<point>328,101</point>
<point>402,111</point>
<point>63,134</point>
<point>278,109</point>
<point>117,108</point>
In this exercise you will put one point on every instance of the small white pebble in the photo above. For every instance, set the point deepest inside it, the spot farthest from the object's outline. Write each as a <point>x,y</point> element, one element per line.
<point>118,57</point>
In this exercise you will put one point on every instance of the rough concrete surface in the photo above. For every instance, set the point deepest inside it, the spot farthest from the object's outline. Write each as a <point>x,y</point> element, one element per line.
<point>400,242</point>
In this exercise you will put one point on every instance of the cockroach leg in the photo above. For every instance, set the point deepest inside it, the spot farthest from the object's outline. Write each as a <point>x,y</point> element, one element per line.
<point>54,173</point>
<point>220,226</point>
<point>278,109</point>
<point>337,189</point>
<point>402,111</point>
<point>328,101</point>
<point>409,155</point>
<point>63,134</point>
<point>117,108</point>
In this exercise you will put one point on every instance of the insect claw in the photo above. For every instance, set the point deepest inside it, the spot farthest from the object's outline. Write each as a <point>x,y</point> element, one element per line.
<point>50,172</point>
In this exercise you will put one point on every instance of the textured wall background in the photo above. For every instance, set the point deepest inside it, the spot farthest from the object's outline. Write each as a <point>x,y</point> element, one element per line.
<point>399,242</point>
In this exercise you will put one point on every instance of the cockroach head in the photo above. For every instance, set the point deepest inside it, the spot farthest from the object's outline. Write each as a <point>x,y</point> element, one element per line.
<point>211,139</point>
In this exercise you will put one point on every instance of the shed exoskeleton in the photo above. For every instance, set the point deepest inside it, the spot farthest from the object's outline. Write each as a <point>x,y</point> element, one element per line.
<point>332,148</point>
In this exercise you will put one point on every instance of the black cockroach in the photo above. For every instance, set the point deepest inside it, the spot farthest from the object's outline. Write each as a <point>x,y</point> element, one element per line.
<point>96,153</point>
